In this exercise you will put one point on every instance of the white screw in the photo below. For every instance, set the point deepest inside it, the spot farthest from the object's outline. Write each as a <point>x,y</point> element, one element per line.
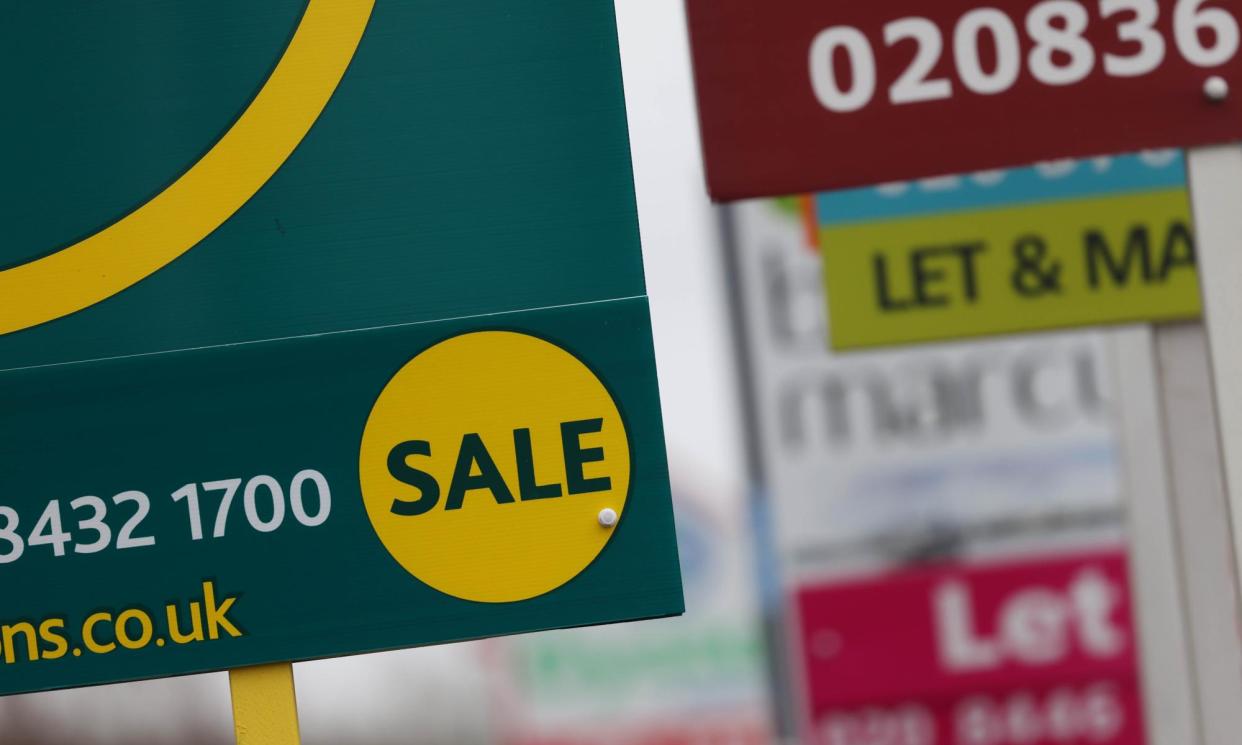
<point>608,517</point>
<point>1215,88</point>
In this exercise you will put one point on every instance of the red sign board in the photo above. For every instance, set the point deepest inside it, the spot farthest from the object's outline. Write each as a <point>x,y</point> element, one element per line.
<point>1040,652</point>
<point>810,95</point>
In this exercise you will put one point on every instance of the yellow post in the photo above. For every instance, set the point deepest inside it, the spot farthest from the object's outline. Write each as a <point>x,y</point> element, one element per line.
<point>265,709</point>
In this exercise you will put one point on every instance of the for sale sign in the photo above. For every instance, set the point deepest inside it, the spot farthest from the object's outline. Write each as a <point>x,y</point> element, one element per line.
<point>806,95</point>
<point>322,331</point>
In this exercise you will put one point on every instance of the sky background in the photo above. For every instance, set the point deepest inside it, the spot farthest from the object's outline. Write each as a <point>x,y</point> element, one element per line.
<point>684,274</point>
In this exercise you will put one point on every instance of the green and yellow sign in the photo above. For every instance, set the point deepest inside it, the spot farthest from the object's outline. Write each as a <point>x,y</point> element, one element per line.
<point>1063,244</point>
<point>322,331</point>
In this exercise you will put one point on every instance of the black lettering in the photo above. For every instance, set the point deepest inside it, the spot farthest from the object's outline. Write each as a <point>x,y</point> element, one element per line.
<point>1099,254</point>
<point>528,485</point>
<point>967,252</point>
<point>885,299</point>
<point>577,456</point>
<point>402,471</point>
<point>473,452</point>
<point>1179,250</point>
<point>924,276</point>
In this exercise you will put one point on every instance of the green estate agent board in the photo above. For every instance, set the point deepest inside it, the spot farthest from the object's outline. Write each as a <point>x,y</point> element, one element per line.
<point>323,330</point>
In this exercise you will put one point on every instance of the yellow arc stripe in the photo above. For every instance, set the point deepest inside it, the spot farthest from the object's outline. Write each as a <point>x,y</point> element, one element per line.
<point>185,213</point>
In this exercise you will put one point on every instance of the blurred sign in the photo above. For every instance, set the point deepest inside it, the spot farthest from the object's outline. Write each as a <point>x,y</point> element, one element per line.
<point>809,95</point>
<point>1061,244</point>
<point>928,463</point>
<point>695,680</point>
<point>1033,651</point>
<point>875,458</point>
<point>294,395</point>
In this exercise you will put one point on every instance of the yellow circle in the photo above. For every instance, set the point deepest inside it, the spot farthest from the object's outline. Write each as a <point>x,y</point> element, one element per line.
<point>486,462</point>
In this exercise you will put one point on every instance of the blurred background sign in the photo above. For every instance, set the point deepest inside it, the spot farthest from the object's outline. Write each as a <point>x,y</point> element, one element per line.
<point>809,96</point>
<point>816,97</point>
<point>1066,243</point>
<point>1039,651</point>
<point>972,472</point>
